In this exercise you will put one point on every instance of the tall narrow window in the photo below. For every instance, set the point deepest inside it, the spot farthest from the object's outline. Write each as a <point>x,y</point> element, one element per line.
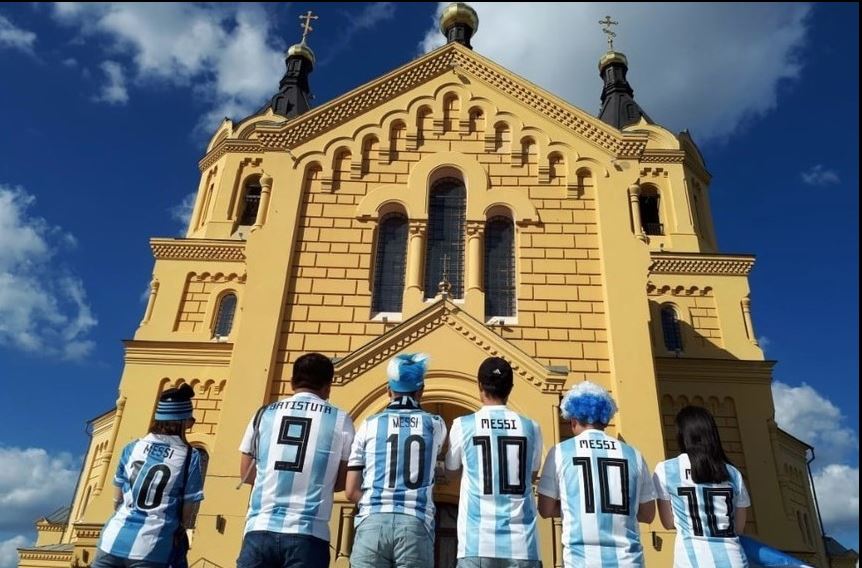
<point>670,329</point>
<point>445,250</point>
<point>250,202</point>
<point>224,315</point>
<point>499,267</point>
<point>648,200</point>
<point>390,264</point>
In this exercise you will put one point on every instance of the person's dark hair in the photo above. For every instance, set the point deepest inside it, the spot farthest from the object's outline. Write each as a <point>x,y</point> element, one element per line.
<point>312,371</point>
<point>697,436</point>
<point>169,428</point>
<point>495,378</point>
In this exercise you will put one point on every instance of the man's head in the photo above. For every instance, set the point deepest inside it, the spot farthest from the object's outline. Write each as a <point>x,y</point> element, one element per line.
<point>313,372</point>
<point>588,405</point>
<point>406,374</point>
<point>495,378</point>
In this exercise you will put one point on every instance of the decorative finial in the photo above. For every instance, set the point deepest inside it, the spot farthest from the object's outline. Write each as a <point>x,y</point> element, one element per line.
<point>459,22</point>
<point>606,27</point>
<point>306,25</point>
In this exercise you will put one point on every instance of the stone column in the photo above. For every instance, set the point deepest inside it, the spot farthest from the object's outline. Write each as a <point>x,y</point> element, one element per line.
<point>634,203</point>
<point>475,260</point>
<point>413,295</point>
<point>265,190</point>
<point>746,316</point>
<point>151,301</point>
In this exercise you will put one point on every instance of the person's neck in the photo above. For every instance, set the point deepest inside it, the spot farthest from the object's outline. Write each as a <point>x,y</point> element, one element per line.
<point>308,391</point>
<point>488,400</point>
<point>579,428</point>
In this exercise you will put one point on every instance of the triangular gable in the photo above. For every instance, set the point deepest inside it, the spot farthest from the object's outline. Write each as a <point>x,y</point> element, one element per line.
<point>277,135</point>
<point>445,313</point>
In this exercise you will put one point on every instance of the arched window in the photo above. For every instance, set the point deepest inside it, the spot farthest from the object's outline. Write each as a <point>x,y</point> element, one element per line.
<point>499,267</point>
<point>670,329</point>
<point>445,249</point>
<point>224,315</point>
<point>250,202</point>
<point>650,219</point>
<point>390,264</point>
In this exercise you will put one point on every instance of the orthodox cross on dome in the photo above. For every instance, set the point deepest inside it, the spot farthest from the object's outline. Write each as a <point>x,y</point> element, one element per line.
<point>306,25</point>
<point>606,27</point>
<point>444,287</point>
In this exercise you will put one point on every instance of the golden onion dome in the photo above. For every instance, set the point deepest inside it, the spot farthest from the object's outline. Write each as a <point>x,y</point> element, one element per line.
<point>458,13</point>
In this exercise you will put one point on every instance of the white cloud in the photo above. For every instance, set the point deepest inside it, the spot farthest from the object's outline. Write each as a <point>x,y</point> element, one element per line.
<point>33,484</point>
<point>182,211</point>
<point>820,176</point>
<point>114,90</point>
<point>764,341</point>
<point>707,67</point>
<point>227,53</point>
<point>13,37</point>
<point>70,62</point>
<point>43,306</point>
<point>838,495</point>
<point>371,15</point>
<point>807,415</point>
<point>9,552</point>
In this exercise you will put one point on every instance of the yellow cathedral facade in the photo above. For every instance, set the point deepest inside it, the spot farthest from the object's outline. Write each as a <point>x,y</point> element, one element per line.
<point>454,208</point>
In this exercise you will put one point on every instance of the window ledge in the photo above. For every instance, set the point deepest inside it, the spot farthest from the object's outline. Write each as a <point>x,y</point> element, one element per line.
<point>387,317</point>
<point>501,320</point>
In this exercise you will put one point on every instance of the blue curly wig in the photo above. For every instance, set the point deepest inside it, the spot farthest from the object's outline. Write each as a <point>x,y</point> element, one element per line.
<point>588,403</point>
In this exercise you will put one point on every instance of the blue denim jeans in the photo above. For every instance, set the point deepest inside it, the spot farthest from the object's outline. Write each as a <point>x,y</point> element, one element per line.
<point>481,562</point>
<point>264,549</point>
<point>105,560</point>
<point>392,540</point>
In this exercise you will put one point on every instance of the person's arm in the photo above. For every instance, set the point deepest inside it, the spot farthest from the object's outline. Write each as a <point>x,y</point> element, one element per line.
<point>118,497</point>
<point>549,507</point>
<point>452,466</point>
<point>739,519</point>
<point>247,469</point>
<point>646,512</point>
<point>341,477</point>
<point>189,513</point>
<point>665,513</point>
<point>353,485</point>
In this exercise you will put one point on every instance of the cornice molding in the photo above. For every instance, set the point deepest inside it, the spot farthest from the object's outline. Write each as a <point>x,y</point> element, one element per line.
<point>451,57</point>
<point>711,264</point>
<point>183,353</point>
<point>444,312</point>
<point>45,555</point>
<point>713,371</point>
<point>198,249</point>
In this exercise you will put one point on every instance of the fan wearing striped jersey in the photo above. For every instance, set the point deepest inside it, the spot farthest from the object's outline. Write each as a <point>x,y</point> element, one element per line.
<point>498,452</point>
<point>295,453</point>
<point>600,486</point>
<point>703,496</point>
<point>391,474</point>
<point>157,484</point>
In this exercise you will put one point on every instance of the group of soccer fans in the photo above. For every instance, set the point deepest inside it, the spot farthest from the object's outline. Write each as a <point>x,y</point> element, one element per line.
<point>300,450</point>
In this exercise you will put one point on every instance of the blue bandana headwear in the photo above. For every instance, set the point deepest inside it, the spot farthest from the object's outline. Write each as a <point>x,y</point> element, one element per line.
<point>406,372</point>
<point>588,403</point>
<point>176,404</point>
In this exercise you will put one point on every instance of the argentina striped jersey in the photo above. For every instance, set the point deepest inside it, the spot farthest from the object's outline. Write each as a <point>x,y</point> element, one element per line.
<point>499,452</point>
<point>150,475</point>
<point>600,482</point>
<point>397,453</point>
<point>300,444</point>
<point>703,514</point>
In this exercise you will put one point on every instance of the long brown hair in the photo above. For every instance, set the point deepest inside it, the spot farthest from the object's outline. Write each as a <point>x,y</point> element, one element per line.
<point>170,428</point>
<point>697,435</point>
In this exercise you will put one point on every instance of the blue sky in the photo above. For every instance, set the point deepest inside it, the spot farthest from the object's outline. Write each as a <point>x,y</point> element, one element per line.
<point>107,108</point>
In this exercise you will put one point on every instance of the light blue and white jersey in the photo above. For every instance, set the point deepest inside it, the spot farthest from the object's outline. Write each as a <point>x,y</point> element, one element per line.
<point>703,514</point>
<point>150,474</point>
<point>600,483</point>
<point>299,444</point>
<point>396,451</point>
<point>499,451</point>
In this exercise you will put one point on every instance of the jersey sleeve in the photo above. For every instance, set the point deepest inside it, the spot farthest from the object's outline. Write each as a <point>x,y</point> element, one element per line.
<point>120,475</point>
<point>348,433</point>
<point>439,433</point>
<point>453,456</point>
<point>246,446</point>
<point>646,487</point>
<point>194,490</point>
<point>548,484</point>
<point>740,493</point>
<point>356,460</point>
<point>537,447</point>
<point>659,483</point>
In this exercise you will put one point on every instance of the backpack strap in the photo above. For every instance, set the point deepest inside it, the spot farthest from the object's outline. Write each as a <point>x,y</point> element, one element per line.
<point>255,439</point>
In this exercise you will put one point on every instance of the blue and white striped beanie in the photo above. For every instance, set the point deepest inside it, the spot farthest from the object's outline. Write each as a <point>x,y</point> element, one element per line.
<point>588,403</point>
<point>175,404</point>
<point>406,372</point>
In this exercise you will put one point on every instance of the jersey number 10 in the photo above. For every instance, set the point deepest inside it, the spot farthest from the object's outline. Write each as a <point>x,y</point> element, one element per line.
<point>511,464</point>
<point>610,504</point>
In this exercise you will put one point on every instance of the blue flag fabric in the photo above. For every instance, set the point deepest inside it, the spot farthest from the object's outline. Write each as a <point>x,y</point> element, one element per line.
<point>763,556</point>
